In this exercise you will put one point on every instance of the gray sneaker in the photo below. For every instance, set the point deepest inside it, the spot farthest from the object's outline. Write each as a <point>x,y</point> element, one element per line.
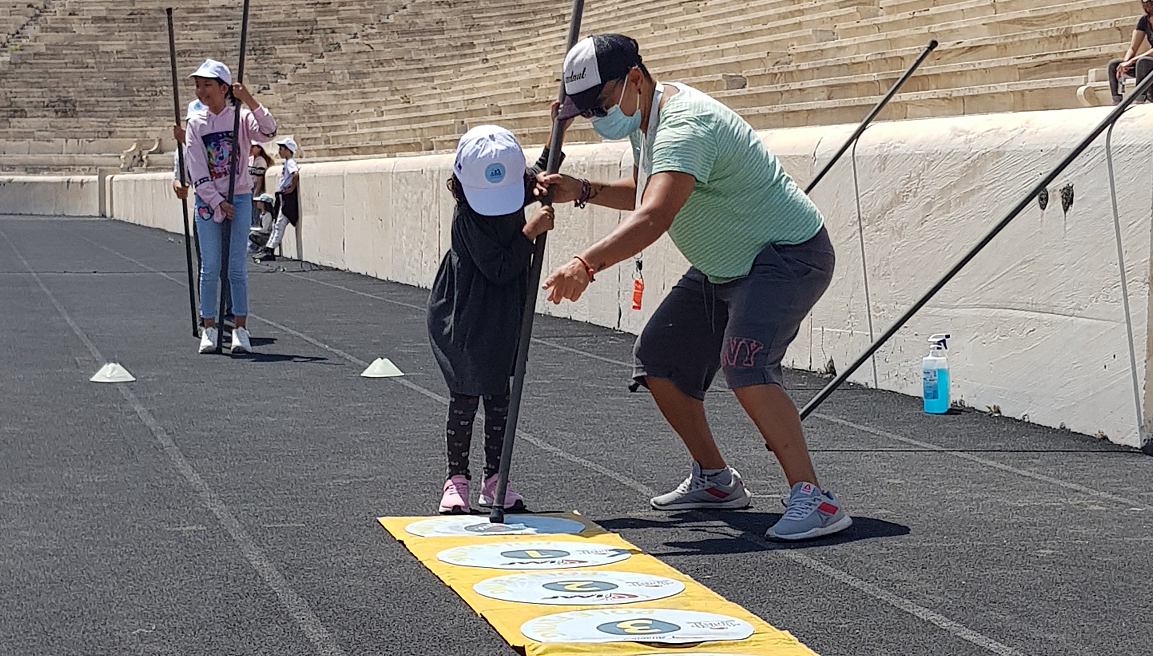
<point>810,513</point>
<point>698,492</point>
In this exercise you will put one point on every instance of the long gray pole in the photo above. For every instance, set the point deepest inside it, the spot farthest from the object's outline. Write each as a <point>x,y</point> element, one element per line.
<point>496,514</point>
<point>180,163</point>
<point>1139,91</point>
<point>226,237</point>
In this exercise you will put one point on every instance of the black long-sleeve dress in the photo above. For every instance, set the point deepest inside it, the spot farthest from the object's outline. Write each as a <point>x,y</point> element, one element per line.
<point>475,307</point>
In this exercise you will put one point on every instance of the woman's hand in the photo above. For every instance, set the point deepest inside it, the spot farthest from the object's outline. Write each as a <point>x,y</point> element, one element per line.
<point>541,222</point>
<point>241,93</point>
<point>565,188</point>
<point>181,190</point>
<point>569,280</point>
<point>178,134</point>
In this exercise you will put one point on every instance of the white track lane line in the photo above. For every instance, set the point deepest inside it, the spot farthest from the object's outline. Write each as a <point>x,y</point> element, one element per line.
<point>297,608</point>
<point>955,628</point>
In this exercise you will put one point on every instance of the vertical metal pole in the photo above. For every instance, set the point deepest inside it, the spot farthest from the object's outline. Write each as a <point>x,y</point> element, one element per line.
<point>864,267</point>
<point>1124,282</point>
<point>226,237</point>
<point>496,514</point>
<point>180,163</point>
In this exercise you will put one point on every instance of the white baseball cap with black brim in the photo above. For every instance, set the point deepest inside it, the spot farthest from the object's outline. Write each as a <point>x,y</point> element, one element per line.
<point>593,62</point>
<point>490,166</point>
<point>213,69</point>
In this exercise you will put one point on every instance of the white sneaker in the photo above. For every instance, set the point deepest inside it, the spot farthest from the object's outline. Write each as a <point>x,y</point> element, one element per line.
<point>811,512</point>
<point>697,491</point>
<point>240,341</point>
<point>208,340</point>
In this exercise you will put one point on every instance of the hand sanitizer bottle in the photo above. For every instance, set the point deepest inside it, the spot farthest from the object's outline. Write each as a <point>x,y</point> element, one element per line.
<point>935,376</point>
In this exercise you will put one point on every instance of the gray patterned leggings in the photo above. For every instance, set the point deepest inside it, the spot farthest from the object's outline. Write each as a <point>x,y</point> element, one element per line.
<point>461,412</point>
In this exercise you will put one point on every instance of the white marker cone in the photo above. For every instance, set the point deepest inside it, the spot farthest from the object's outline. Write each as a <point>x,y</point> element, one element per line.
<point>382,368</point>
<point>112,373</point>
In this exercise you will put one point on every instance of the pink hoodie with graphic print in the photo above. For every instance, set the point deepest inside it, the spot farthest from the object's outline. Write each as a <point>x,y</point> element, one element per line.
<point>209,143</point>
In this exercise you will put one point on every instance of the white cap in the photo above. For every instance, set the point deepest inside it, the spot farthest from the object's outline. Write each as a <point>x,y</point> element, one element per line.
<point>287,142</point>
<point>213,69</point>
<point>490,167</point>
<point>194,107</point>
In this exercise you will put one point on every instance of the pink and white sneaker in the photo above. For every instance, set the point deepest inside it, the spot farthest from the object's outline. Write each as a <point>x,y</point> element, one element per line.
<point>512,500</point>
<point>454,500</point>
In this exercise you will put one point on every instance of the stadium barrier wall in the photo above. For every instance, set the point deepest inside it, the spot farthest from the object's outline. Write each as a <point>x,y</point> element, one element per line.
<point>73,195</point>
<point>1037,324</point>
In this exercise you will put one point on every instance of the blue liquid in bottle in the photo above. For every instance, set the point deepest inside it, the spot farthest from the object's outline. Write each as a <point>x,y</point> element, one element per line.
<point>936,390</point>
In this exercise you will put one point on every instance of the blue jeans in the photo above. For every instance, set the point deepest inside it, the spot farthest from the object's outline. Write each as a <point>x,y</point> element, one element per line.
<point>211,235</point>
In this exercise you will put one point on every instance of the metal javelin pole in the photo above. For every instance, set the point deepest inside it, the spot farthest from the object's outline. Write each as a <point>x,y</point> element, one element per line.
<point>496,514</point>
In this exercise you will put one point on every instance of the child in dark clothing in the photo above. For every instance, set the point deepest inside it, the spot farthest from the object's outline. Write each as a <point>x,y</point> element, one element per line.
<point>474,310</point>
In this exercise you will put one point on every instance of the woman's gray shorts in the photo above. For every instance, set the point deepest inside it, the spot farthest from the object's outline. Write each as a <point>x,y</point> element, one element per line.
<point>744,326</point>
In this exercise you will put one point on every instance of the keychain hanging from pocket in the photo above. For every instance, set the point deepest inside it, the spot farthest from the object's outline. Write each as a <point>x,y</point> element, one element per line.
<point>638,283</point>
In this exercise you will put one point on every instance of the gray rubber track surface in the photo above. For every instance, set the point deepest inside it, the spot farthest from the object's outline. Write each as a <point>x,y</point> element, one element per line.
<point>226,506</point>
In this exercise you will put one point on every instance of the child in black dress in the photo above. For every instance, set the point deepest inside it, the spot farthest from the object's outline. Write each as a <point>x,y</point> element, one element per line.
<point>474,310</point>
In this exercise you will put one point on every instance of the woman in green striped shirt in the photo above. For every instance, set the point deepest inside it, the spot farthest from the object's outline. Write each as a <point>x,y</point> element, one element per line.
<point>760,255</point>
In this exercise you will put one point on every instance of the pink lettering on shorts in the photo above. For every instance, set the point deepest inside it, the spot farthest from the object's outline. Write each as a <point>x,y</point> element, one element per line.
<point>741,352</point>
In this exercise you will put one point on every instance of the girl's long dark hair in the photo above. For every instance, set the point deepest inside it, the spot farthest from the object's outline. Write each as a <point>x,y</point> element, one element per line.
<point>454,188</point>
<point>268,161</point>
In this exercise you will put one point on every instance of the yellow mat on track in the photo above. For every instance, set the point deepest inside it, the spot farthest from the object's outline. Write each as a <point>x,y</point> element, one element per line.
<point>615,599</point>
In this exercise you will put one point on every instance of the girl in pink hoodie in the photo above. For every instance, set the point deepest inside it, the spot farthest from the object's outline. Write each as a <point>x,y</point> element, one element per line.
<point>210,143</point>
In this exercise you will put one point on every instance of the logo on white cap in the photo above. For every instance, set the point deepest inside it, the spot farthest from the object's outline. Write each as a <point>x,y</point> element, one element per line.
<point>581,71</point>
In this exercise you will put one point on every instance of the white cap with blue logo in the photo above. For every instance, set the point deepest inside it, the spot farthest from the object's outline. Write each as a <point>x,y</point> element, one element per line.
<point>490,166</point>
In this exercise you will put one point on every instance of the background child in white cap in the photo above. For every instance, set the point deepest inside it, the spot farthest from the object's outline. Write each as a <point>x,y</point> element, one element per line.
<point>210,143</point>
<point>286,198</point>
<point>474,309</point>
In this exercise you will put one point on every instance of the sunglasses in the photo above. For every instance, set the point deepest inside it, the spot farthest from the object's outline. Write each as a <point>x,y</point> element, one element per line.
<point>601,112</point>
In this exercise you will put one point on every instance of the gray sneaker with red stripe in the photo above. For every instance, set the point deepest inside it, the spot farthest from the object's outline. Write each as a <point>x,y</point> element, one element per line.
<point>810,513</point>
<point>724,490</point>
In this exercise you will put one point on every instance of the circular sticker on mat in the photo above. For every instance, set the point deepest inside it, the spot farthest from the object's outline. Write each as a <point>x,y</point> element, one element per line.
<point>477,525</point>
<point>533,555</point>
<point>579,588</point>
<point>640,625</point>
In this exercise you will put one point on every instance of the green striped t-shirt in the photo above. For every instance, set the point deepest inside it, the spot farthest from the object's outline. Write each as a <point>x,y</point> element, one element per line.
<point>742,199</point>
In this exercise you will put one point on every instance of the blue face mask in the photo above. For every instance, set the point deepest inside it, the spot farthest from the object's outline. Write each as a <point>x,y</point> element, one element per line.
<point>614,124</point>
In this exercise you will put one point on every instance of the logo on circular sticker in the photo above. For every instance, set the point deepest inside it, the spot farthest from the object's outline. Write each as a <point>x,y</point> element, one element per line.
<point>533,555</point>
<point>579,589</point>
<point>636,627</point>
<point>494,173</point>
<point>658,625</point>
<point>470,525</point>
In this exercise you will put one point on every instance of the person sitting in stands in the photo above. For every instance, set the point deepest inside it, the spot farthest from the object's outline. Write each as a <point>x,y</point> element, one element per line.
<point>1134,65</point>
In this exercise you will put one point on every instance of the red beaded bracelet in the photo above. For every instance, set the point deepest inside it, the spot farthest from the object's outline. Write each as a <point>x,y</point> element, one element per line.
<point>588,269</point>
